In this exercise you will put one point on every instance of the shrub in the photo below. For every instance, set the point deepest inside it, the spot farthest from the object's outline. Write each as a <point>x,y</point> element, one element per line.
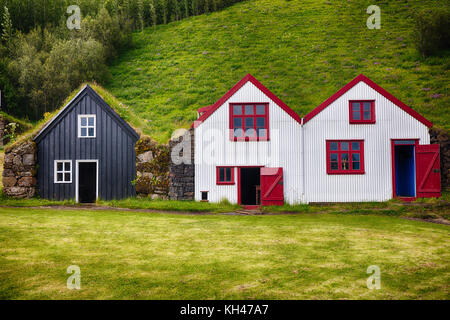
<point>432,31</point>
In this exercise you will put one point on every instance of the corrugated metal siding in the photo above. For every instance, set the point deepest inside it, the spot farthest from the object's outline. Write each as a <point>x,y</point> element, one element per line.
<point>333,123</point>
<point>284,145</point>
<point>113,147</point>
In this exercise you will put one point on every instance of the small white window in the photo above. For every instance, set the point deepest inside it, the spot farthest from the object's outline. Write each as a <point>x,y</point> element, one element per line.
<point>63,171</point>
<point>86,126</point>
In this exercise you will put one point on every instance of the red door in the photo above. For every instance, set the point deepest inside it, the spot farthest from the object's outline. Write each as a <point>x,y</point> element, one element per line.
<point>272,187</point>
<point>428,173</point>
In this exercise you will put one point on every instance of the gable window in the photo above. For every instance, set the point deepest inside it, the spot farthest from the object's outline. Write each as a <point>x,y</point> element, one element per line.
<point>86,126</point>
<point>225,175</point>
<point>63,171</point>
<point>345,156</point>
<point>362,111</point>
<point>249,121</point>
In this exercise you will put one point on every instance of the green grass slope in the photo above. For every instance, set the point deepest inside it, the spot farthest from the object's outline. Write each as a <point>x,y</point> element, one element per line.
<point>303,51</point>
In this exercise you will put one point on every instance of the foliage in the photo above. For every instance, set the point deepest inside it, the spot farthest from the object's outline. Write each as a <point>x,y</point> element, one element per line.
<point>10,133</point>
<point>432,31</point>
<point>7,28</point>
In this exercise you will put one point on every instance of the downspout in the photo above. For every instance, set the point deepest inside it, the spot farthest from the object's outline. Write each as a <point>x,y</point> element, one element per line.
<point>303,160</point>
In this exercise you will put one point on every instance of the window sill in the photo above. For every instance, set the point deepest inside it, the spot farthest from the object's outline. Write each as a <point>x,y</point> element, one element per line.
<point>87,137</point>
<point>345,172</point>
<point>225,183</point>
<point>362,122</point>
<point>248,139</point>
<point>62,182</point>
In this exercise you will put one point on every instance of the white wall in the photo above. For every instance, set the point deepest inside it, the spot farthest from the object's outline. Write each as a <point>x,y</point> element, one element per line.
<point>333,123</point>
<point>283,149</point>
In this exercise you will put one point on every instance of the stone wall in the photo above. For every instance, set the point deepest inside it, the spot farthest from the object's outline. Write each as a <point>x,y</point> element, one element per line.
<point>152,169</point>
<point>442,137</point>
<point>2,129</point>
<point>19,170</point>
<point>182,174</point>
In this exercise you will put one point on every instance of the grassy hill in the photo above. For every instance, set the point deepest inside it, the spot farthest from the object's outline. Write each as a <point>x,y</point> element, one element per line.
<point>303,51</point>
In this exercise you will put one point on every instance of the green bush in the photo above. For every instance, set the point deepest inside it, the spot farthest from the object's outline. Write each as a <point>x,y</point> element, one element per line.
<point>432,31</point>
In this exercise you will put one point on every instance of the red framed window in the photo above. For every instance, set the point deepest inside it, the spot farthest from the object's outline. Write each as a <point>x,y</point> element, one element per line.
<point>225,175</point>
<point>345,156</point>
<point>362,111</point>
<point>249,121</point>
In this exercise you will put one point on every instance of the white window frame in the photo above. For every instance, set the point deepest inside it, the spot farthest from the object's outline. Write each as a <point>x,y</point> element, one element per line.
<point>87,126</point>
<point>64,171</point>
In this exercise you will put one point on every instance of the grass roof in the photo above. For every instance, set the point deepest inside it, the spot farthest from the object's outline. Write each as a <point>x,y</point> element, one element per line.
<point>122,110</point>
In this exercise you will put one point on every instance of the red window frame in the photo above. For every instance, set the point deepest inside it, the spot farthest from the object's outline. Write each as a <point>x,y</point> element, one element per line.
<point>350,153</point>
<point>254,116</point>
<point>225,182</point>
<point>361,119</point>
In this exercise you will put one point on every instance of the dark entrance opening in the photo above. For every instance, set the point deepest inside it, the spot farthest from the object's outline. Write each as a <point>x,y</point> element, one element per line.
<point>87,182</point>
<point>250,187</point>
<point>405,175</point>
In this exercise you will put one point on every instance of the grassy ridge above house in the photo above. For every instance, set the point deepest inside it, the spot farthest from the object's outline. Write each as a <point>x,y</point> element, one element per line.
<point>123,110</point>
<point>304,51</point>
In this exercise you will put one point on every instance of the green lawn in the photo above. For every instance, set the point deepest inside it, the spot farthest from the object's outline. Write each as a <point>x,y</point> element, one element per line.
<point>304,51</point>
<point>160,256</point>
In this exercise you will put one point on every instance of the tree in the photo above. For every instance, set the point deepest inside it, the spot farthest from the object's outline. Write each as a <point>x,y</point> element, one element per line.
<point>7,28</point>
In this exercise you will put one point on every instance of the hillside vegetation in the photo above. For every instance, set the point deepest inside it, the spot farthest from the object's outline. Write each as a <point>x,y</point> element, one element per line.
<point>303,51</point>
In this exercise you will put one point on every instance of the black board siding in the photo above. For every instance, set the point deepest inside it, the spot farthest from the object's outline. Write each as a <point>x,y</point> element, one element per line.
<point>113,147</point>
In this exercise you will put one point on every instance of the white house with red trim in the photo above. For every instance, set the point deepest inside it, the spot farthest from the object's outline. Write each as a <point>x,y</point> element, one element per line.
<point>361,144</point>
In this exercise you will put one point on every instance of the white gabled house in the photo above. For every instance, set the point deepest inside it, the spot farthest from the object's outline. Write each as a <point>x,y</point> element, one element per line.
<point>361,144</point>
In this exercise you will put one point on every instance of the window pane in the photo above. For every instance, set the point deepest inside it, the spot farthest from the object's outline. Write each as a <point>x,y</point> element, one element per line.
<point>334,157</point>
<point>355,157</point>
<point>355,145</point>
<point>345,165</point>
<point>260,109</point>
<point>59,177</point>
<point>238,132</point>
<point>67,166</point>
<point>83,121</point>
<point>355,165</point>
<point>91,132</point>
<point>356,115</point>
<point>262,133</point>
<point>333,146</point>
<point>249,110</point>
<point>237,110</point>
<point>221,174</point>
<point>237,122</point>
<point>260,122</point>
<point>356,106</point>
<point>67,177</point>
<point>344,146</point>
<point>59,166</point>
<point>91,121</point>
<point>204,196</point>
<point>250,132</point>
<point>334,166</point>
<point>366,115</point>
<point>248,122</point>
<point>367,106</point>
<point>83,132</point>
<point>228,170</point>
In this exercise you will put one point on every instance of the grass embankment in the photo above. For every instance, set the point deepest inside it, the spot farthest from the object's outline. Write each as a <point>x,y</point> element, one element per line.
<point>132,255</point>
<point>304,51</point>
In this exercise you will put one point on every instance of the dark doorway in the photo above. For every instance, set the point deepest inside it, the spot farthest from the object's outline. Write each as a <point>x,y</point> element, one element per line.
<point>250,186</point>
<point>405,175</point>
<point>87,182</point>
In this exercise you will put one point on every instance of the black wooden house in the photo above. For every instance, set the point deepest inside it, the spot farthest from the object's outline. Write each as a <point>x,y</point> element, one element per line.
<point>86,152</point>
